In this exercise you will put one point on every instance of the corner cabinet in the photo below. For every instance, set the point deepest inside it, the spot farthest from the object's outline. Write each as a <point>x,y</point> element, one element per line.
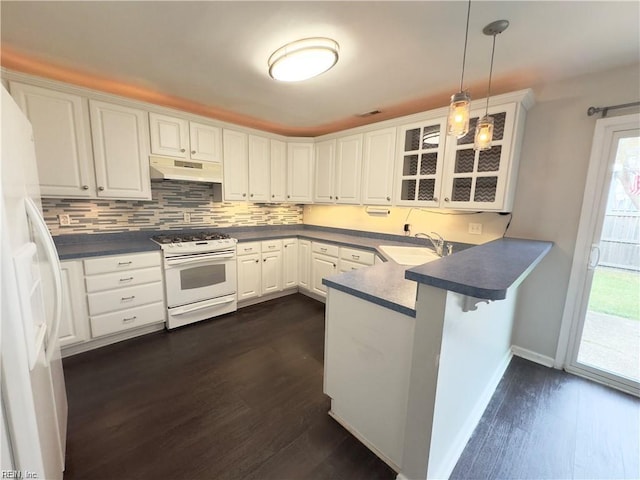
<point>121,151</point>
<point>300,172</point>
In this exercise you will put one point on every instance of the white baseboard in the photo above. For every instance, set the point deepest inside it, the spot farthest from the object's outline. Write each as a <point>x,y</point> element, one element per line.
<point>532,356</point>
<point>266,298</point>
<point>110,339</point>
<point>446,466</point>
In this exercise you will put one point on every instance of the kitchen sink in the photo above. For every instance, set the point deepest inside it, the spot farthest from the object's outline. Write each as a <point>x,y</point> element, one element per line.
<point>409,255</point>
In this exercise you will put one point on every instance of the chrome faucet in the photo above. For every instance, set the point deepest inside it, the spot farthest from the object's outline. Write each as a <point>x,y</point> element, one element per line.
<point>438,243</point>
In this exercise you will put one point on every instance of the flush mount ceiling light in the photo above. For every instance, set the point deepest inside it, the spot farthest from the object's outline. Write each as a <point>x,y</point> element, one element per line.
<point>484,129</point>
<point>458,122</point>
<point>303,59</point>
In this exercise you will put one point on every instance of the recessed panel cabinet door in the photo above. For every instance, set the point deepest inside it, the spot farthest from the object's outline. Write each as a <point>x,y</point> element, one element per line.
<point>121,151</point>
<point>259,167</point>
<point>60,124</point>
<point>300,172</point>
<point>236,165</point>
<point>322,266</point>
<point>325,157</point>
<point>169,135</point>
<point>304,264</point>
<point>290,263</point>
<point>205,142</point>
<point>249,276</point>
<point>278,171</point>
<point>271,272</point>
<point>74,324</point>
<point>348,173</point>
<point>379,155</point>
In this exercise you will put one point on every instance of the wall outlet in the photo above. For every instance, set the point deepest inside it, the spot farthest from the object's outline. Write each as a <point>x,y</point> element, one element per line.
<point>186,216</point>
<point>407,229</point>
<point>475,228</point>
<point>64,220</point>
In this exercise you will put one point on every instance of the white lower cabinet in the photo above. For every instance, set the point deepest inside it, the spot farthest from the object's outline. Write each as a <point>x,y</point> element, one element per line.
<point>74,324</point>
<point>304,264</point>
<point>249,275</point>
<point>324,262</point>
<point>124,292</point>
<point>271,272</point>
<point>354,259</point>
<point>289,263</point>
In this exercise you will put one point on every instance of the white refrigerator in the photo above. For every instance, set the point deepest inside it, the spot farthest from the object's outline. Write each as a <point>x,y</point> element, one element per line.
<point>33,397</point>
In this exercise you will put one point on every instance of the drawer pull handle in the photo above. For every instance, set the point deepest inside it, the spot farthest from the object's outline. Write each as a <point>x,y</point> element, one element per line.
<point>128,298</point>
<point>125,263</point>
<point>323,249</point>
<point>355,257</point>
<point>128,279</point>
<point>271,246</point>
<point>130,319</point>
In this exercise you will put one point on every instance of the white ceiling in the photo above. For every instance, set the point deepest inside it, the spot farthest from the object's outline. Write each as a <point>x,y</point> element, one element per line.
<point>392,54</point>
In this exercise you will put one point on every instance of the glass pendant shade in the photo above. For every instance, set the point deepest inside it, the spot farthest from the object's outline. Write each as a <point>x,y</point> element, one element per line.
<point>484,134</point>
<point>458,122</point>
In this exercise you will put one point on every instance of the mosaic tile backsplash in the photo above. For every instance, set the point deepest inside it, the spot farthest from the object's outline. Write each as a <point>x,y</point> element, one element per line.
<point>170,199</point>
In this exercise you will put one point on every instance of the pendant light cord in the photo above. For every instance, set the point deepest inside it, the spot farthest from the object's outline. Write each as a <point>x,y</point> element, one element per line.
<point>493,50</point>
<point>464,53</point>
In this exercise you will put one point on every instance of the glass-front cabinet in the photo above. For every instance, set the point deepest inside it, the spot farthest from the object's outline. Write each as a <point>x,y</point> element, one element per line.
<point>480,180</point>
<point>421,162</point>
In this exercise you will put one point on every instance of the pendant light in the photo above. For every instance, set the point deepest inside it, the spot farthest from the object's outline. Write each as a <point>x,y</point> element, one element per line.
<point>458,122</point>
<point>484,129</point>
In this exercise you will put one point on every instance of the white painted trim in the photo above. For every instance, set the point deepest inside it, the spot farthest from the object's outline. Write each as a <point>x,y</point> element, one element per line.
<point>364,441</point>
<point>464,434</point>
<point>584,373</point>
<point>532,356</point>
<point>593,202</point>
<point>313,295</point>
<point>266,298</point>
<point>111,339</point>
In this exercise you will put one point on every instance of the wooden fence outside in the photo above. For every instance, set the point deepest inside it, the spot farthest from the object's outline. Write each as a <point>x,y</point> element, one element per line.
<point>620,240</point>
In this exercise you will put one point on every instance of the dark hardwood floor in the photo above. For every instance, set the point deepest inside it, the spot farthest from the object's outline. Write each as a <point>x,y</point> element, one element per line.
<point>240,397</point>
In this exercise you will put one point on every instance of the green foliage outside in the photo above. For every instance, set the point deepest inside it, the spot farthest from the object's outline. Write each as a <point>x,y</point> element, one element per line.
<point>616,292</point>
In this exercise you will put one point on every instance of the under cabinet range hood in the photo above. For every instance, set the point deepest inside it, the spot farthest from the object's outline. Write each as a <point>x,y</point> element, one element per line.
<point>163,168</point>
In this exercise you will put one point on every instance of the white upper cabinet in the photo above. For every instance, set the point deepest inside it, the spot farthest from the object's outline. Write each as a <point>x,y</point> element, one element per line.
<point>484,180</point>
<point>60,124</point>
<point>236,165</point>
<point>121,151</point>
<point>180,138</point>
<point>421,147</point>
<point>348,170</point>
<point>324,172</point>
<point>300,172</point>
<point>278,177</point>
<point>259,169</point>
<point>379,155</point>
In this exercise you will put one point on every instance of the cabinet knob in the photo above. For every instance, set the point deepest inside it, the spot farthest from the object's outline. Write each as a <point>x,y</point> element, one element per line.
<point>182,150</point>
<point>257,261</point>
<point>193,152</point>
<point>435,199</point>
<point>244,194</point>
<point>251,195</point>
<point>388,199</point>
<point>85,187</point>
<point>288,196</point>
<point>264,259</point>
<point>336,197</point>
<point>330,197</point>
<point>101,188</point>
<point>446,199</point>
<point>273,196</point>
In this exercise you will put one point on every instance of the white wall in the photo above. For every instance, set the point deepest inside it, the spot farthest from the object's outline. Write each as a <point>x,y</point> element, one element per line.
<point>553,170</point>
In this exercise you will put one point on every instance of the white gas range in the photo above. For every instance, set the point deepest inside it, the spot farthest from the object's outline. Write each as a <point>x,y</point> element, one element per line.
<point>200,276</point>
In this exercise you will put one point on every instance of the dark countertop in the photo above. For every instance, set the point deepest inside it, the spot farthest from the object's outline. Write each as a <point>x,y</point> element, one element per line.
<point>485,271</point>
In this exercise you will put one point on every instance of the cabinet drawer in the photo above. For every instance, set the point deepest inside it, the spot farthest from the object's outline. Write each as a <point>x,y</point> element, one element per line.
<point>127,319</point>
<point>124,298</point>
<point>359,256</point>
<point>109,281</point>
<point>271,245</point>
<point>248,248</point>
<point>325,249</point>
<point>348,265</point>
<point>118,263</point>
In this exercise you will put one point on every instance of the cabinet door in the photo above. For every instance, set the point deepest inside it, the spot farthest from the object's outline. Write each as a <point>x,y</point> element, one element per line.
<point>169,135</point>
<point>60,124</point>
<point>74,324</point>
<point>259,166</point>
<point>205,142</point>
<point>420,162</point>
<point>249,276</point>
<point>290,263</point>
<point>379,154</point>
<point>322,266</point>
<point>348,169</point>
<point>477,180</point>
<point>324,172</point>
<point>236,165</point>
<point>278,171</point>
<point>121,151</point>
<point>271,272</point>
<point>304,264</point>
<point>300,172</point>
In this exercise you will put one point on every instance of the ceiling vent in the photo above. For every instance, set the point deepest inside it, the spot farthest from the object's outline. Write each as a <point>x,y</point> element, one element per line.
<point>368,114</point>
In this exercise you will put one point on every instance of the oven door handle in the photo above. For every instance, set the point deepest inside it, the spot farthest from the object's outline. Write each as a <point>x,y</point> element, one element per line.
<point>212,258</point>
<point>182,310</point>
